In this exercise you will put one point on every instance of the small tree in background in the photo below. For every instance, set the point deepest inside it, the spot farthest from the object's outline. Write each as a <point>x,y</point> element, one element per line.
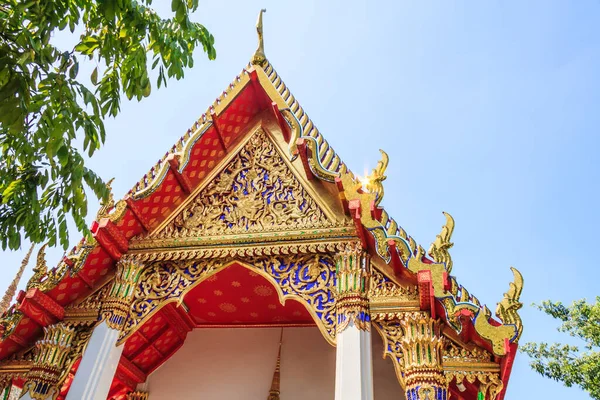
<point>570,364</point>
<point>44,107</point>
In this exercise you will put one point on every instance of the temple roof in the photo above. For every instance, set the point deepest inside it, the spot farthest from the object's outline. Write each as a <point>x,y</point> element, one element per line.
<point>153,202</point>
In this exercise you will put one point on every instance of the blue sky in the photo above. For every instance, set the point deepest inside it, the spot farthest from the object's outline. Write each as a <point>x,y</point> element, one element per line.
<point>488,111</point>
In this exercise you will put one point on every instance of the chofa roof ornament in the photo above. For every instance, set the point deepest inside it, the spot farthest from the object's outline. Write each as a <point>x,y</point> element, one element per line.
<point>259,55</point>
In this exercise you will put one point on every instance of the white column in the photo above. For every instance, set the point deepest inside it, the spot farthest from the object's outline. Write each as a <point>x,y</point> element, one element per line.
<point>98,365</point>
<point>353,364</point>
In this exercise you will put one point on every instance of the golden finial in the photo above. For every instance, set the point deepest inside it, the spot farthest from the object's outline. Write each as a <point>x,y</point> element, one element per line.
<point>137,395</point>
<point>12,288</point>
<point>41,268</point>
<point>259,55</point>
<point>440,246</point>
<point>275,390</point>
<point>373,184</point>
<point>107,205</point>
<point>510,304</point>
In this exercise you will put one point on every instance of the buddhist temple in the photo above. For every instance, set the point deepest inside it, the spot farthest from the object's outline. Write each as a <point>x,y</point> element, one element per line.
<point>251,263</point>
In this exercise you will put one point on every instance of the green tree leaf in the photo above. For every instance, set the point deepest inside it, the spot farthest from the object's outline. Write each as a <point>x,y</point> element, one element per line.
<point>566,363</point>
<point>45,110</point>
<point>94,77</point>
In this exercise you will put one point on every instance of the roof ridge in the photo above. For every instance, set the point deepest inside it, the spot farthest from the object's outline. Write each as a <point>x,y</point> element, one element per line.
<point>156,172</point>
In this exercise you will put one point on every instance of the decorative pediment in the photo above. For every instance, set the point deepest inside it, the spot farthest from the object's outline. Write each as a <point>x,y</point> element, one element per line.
<point>257,194</point>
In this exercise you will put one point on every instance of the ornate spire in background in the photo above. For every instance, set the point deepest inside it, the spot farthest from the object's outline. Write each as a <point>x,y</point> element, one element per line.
<point>12,288</point>
<point>275,390</point>
<point>259,55</point>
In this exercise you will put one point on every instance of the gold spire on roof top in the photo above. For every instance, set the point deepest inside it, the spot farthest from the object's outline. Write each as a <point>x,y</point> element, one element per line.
<point>259,55</point>
<point>12,288</point>
<point>275,390</point>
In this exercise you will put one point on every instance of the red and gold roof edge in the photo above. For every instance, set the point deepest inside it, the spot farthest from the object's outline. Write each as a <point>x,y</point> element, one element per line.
<point>91,262</point>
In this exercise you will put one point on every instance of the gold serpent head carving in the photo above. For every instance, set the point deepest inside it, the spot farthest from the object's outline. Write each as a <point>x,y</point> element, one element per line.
<point>510,304</point>
<point>41,268</point>
<point>106,206</point>
<point>374,181</point>
<point>440,246</point>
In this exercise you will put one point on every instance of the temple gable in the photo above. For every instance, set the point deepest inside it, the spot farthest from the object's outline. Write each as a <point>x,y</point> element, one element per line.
<point>252,220</point>
<point>255,193</point>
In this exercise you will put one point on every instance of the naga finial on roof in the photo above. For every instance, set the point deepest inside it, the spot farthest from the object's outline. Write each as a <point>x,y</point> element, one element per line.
<point>373,184</point>
<point>440,246</point>
<point>510,304</point>
<point>41,268</point>
<point>107,205</point>
<point>259,55</point>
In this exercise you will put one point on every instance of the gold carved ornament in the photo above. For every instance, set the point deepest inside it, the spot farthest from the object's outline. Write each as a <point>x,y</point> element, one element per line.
<point>9,321</point>
<point>412,255</point>
<point>458,298</point>
<point>388,300</point>
<point>427,391</point>
<point>392,334</point>
<point>137,395</point>
<point>322,160</point>
<point>115,308</point>
<point>385,230</point>
<point>88,311</point>
<point>381,287</point>
<point>512,326</point>
<point>52,353</point>
<point>109,209</point>
<point>454,354</point>
<point>309,279</point>
<point>374,182</point>
<point>16,366</point>
<point>255,193</point>
<point>40,271</point>
<point>414,344</point>
<point>440,247</point>
<point>108,205</point>
<point>490,384</point>
<point>422,345</point>
<point>476,366</point>
<point>509,305</point>
<point>352,273</point>
<point>45,280</point>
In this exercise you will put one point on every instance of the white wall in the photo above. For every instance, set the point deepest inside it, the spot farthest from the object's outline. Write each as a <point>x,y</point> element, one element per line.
<point>238,364</point>
<point>385,383</point>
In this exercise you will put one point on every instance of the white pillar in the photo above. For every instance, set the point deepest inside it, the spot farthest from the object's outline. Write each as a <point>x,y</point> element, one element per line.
<point>98,365</point>
<point>353,364</point>
<point>15,394</point>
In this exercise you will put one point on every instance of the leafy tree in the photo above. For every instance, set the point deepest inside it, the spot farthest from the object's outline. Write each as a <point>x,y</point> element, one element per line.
<point>570,364</point>
<point>49,117</point>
